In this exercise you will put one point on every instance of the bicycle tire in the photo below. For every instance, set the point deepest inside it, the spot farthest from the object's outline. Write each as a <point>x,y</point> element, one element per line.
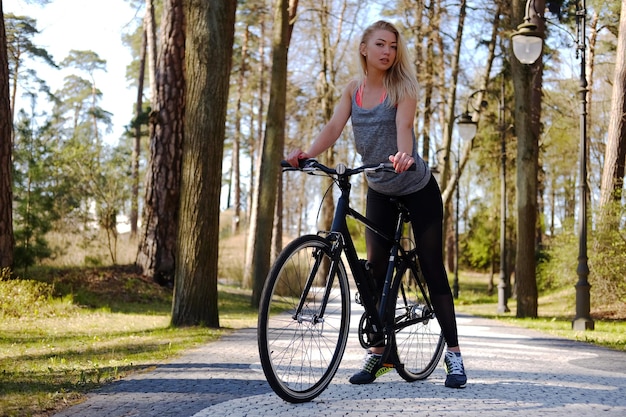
<point>419,338</point>
<point>299,355</point>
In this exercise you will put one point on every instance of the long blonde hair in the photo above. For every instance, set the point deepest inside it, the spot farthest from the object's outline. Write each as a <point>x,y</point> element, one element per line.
<point>399,80</point>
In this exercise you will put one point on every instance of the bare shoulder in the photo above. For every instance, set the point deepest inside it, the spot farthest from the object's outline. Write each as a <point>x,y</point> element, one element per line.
<point>351,88</point>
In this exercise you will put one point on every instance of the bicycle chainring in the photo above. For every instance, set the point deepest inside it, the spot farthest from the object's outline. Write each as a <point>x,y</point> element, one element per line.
<point>366,333</point>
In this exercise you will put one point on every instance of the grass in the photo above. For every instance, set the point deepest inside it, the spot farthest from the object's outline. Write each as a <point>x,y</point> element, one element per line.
<point>71,330</point>
<point>556,311</point>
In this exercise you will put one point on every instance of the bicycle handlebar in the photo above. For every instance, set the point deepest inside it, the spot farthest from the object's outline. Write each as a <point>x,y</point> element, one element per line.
<point>311,164</point>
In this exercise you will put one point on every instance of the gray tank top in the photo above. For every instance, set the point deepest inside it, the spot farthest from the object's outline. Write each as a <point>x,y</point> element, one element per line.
<point>375,136</point>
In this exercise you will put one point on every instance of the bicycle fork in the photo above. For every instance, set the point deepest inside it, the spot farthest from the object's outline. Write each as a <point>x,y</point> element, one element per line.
<point>319,256</point>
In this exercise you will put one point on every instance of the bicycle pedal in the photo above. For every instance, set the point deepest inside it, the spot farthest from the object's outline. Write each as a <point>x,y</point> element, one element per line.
<point>357,299</point>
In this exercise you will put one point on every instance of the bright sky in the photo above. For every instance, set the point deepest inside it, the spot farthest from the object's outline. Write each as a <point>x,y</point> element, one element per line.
<point>95,25</point>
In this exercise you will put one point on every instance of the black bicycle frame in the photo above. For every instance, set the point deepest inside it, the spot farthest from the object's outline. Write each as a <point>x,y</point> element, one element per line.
<point>339,233</point>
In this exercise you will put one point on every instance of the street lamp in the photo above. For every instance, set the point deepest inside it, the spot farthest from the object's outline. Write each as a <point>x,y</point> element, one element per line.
<point>525,42</point>
<point>455,282</point>
<point>504,284</point>
<point>467,126</point>
<point>467,130</point>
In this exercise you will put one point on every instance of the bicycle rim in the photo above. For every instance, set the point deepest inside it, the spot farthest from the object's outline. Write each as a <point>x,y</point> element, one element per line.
<point>300,353</point>
<point>419,338</point>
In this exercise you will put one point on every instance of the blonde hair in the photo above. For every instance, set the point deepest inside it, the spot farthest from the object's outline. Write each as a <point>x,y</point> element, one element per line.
<point>400,80</point>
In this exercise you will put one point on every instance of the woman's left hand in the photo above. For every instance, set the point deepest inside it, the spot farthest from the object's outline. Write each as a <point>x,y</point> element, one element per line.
<point>401,161</point>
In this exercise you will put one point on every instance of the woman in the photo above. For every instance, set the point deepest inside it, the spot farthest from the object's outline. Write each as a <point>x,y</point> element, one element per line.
<point>382,106</point>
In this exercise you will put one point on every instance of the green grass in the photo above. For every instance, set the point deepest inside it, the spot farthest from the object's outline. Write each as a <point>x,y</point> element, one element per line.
<point>72,330</point>
<point>556,311</point>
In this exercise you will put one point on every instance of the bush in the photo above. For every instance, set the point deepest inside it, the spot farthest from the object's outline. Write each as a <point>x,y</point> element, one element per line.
<point>607,258</point>
<point>607,263</point>
<point>26,298</point>
<point>557,264</point>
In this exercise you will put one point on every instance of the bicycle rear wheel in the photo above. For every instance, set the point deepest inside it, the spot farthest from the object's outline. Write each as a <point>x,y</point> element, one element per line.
<point>419,338</point>
<point>301,347</point>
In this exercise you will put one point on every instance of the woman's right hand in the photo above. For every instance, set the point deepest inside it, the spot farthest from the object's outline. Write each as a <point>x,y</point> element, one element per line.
<point>294,157</point>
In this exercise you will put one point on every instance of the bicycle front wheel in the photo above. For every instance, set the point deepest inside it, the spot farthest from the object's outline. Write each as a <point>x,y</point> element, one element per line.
<point>419,338</point>
<point>304,318</point>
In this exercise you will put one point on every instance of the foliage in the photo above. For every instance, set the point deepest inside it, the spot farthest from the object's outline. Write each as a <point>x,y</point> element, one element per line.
<point>559,265</point>
<point>608,257</point>
<point>19,298</point>
<point>65,178</point>
<point>479,243</point>
<point>20,31</point>
<point>34,193</point>
<point>71,330</point>
<point>111,191</point>
<point>607,263</point>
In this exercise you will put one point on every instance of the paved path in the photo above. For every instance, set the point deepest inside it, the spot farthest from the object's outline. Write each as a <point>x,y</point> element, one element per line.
<point>511,371</point>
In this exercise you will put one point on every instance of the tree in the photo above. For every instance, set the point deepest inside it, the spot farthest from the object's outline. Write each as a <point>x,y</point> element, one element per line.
<point>331,18</point>
<point>89,62</point>
<point>235,182</point>
<point>20,32</point>
<point>450,107</point>
<point>34,194</point>
<point>265,197</point>
<point>210,28</point>
<point>149,25</point>
<point>142,44</point>
<point>527,83</point>
<point>137,135</point>
<point>157,244</point>
<point>149,54</point>
<point>6,129</point>
<point>615,154</point>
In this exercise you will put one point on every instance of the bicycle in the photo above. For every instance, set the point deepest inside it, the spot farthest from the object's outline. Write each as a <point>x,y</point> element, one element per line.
<point>304,313</point>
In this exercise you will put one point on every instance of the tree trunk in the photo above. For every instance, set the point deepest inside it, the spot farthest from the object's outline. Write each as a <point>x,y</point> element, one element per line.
<point>429,84</point>
<point>236,174</point>
<point>445,175</point>
<point>246,281</point>
<point>450,106</point>
<point>159,230</point>
<point>209,34</point>
<point>273,144</point>
<point>277,235</point>
<point>134,203</point>
<point>326,93</point>
<point>6,147</point>
<point>527,84</point>
<point>615,153</point>
<point>150,27</point>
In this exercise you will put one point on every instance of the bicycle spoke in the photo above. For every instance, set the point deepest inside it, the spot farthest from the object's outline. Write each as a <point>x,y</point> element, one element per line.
<point>301,346</point>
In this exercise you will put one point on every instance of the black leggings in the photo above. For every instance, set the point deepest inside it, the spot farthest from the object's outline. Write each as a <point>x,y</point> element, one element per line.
<point>426,213</point>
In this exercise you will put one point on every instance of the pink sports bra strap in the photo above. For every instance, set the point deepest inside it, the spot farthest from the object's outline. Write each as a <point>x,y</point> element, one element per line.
<point>359,95</point>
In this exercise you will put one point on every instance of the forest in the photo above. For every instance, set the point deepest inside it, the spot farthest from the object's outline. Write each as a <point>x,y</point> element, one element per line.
<point>225,90</point>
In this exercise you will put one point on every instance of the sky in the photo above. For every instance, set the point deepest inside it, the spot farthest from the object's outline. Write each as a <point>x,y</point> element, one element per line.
<point>95,25</point>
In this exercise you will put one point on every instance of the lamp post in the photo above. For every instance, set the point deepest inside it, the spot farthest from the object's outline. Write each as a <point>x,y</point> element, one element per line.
<point>504,284</point>
<point>527,45</point>
<point>467,130</point>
